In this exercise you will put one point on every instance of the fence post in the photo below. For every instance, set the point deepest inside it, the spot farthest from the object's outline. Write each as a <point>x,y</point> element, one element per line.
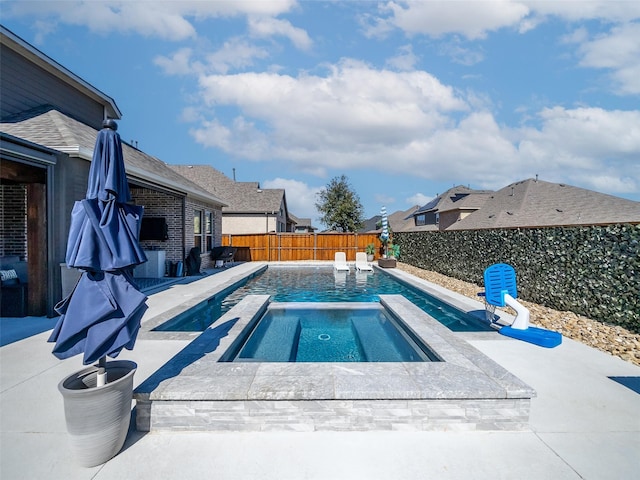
<point>355,245</point>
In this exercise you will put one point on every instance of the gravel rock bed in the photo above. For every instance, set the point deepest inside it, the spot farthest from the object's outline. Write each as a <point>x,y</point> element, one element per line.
<point>613,339</point>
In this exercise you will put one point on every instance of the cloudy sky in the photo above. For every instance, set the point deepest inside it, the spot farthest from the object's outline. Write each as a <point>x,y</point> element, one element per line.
<point>405,98</point>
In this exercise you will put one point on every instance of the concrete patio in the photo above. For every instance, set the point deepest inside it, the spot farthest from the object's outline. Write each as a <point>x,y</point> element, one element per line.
<point>584,424</point>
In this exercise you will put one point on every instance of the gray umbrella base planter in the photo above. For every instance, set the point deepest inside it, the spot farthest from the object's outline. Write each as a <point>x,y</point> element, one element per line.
<point>98,417</point>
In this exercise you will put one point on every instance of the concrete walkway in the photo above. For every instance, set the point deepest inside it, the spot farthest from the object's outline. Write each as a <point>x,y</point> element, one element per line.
<point>584,425</point>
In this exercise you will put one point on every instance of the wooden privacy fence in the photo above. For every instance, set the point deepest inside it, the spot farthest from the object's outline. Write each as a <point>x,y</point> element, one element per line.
<point>282,247</point>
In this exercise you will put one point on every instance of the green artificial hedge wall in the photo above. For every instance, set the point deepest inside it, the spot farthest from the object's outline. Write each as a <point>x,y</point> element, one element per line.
<point>593,271</point>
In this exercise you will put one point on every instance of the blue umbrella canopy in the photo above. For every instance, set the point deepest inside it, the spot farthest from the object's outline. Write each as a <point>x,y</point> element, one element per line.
<point>102,314</point>
<point>107,175</point>
<point>100,317</point>
<point>104,228</point>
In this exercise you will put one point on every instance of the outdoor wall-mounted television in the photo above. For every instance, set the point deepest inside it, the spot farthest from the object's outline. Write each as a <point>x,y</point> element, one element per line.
<point>154,228</point>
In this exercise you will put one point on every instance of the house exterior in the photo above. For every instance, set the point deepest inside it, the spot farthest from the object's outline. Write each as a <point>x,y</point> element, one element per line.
<point>536,203</point>
<point>49,121</point>
<point>249,209</point>
<point>302,225</point>
<point>448,208</point>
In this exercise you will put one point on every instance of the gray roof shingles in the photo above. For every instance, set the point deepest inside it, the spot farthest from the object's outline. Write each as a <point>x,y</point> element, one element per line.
<point>51,128</point>
<point>245,197</point>
<point>536,203</point>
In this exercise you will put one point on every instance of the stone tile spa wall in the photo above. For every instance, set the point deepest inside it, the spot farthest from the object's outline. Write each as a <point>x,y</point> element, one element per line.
<point>592,270</point>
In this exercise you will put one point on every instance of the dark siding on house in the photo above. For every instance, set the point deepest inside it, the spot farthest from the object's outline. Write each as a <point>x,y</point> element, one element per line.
<point>25,86</point>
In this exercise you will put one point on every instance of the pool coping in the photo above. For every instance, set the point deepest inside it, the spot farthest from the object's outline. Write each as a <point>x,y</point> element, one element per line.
<point>195,391</point>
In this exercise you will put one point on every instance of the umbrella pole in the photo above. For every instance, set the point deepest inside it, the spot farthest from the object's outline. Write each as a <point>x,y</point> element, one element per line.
<point>101,379</point>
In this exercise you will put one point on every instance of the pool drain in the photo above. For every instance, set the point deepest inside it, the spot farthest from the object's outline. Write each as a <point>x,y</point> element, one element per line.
<point>323,336</point>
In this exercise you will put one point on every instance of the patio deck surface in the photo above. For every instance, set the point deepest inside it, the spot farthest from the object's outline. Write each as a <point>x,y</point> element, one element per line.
<point>583,424</point>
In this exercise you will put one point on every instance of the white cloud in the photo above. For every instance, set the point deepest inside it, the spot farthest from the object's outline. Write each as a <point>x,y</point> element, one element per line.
<point>269,27</point>
<point>418,199</point>
<point>301,198</point>
<point>618,51</point>
<point>177,64</point>
<point>475,19</point>
<point>117,16</point>
<point>235,54</point>
<point>404,60</point>
<point>167,20</point>
<point>576,10</point>
<point>588,146</point>
<point>410,122</point>
<point>353,112</point>
<point>472,20</point>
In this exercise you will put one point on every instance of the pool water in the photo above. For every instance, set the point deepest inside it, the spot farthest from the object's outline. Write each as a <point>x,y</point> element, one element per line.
<point>322,284</point>
<point>362,333</point>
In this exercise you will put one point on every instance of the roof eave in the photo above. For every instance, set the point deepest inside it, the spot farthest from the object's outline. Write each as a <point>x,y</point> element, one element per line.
<point>152,178</point>
<point>87,154</point>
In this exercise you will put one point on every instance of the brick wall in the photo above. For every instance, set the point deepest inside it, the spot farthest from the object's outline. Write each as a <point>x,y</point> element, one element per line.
<point>13,220</point>
<point>179,222</point>
<point>159,204</point>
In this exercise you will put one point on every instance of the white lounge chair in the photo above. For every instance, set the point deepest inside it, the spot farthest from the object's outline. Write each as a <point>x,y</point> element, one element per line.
<point>340,262</point>
<point>361,262</point>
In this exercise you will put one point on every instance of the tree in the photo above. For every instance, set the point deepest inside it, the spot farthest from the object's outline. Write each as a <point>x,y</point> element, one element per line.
<point>340,206</point>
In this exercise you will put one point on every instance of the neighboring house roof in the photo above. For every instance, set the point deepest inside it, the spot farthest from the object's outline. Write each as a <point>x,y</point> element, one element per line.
<point>11,40</point>
<point>452,199</point>
<point>48,127</point>
<point>472,201</point>
<point>302,222</point>
<point>370,224</point>
<point>241,197</point>
<point>535,203</point>
<point>458,198</point>
<point>399,221</point>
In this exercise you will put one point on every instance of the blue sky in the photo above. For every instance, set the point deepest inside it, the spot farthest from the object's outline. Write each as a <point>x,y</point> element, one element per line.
<point>405,98</point>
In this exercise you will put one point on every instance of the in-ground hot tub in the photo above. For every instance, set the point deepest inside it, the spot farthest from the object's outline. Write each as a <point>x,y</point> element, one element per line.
<point>198,390</point>
<point>329,332</point>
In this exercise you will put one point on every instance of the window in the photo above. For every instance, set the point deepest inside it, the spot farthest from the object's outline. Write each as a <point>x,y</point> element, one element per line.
<point>208,230</point>
<point>203,230</point>
<point>421,219</point>
<point>197,228</point>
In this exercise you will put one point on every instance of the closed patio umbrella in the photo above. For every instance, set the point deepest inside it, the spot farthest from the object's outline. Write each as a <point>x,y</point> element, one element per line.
<point>102,314</point>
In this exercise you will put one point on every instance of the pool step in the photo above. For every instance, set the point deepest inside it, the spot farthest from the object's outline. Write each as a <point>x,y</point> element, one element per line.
<point>375,341</point>
<point>275,340</point>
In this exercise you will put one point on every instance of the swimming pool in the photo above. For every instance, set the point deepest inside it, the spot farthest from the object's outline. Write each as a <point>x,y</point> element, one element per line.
<point>329,332</point>
<point>320,284</point>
